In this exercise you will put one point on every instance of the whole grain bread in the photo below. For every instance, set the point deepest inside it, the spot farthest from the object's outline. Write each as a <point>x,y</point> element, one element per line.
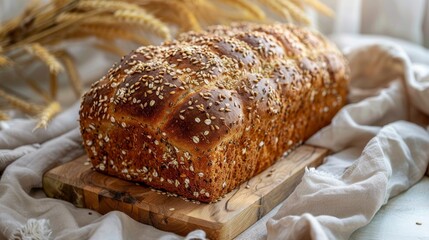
<point>202,114</point>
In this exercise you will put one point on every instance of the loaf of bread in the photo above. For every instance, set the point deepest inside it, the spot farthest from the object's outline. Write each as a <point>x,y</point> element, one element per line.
<point>200,115</point>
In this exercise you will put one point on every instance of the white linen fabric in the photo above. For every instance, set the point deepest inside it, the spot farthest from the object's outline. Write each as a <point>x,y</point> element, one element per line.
<point>379,142</point>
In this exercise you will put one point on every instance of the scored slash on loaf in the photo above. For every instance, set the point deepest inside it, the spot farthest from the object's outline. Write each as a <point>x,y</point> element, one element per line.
<point>199,115</point>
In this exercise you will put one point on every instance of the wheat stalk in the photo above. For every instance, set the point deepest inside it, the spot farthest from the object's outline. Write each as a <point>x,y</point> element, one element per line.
<point>110,47</point>
<point>53,84</point>
<point>47,114</point>
<point>46,97</point>
<point>19,103</point>
<point>71,71</point>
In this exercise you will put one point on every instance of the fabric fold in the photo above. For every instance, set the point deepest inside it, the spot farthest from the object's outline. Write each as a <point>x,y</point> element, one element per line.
<point>390,163</point>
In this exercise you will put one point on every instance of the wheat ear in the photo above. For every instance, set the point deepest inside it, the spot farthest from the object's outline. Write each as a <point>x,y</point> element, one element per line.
<point>87,5</point>
<point>120,20</point>
<point>247,6</point>
<point>5,61</point>
<point>277,8</point>
<point>3,116</point>
<point>296,13</point>
<point>47,114</point>
<point>45,56</point>
<point>319,7</point>
<point>175,12</point>
<point>111,33</point>
<point>145,19</point>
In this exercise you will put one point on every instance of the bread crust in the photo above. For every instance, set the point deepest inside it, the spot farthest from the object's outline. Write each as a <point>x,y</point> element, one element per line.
<point>202,114</point>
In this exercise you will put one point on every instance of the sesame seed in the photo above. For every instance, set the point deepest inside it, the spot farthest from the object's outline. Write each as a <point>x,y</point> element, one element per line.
<point>223,184</point>
<point>206,133</point>
<point>261,144</point>
<point>195,139</point>
<point>207,121</point>
<point>88,142</point>
<point>201,174</point>
<point>101,167</point>
<point>151,103</point>
<point>197,120</point>
<point>156,142</point>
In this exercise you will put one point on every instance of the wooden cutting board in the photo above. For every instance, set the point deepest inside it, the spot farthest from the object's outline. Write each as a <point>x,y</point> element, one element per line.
<point>77,183</point>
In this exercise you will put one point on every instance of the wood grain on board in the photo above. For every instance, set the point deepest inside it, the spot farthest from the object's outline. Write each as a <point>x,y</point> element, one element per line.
<point>77,183</point>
